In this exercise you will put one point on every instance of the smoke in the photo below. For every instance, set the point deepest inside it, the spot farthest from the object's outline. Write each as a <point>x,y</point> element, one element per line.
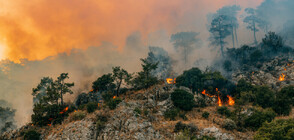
<point>7,121</point>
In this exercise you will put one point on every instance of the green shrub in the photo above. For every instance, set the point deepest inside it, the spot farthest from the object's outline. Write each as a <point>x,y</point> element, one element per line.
<point>137,110</point>
<point>229,124</point>
<point>182,99</point>
<point>32,135</point>
<point>101,120</point>
<point>181,127</point>
<point>276,130</point>
<point>265,97</point>
<point>113,103</point>
<point>91,107</point>
<point>255,120</point>
<point>224,111</point>
<point>200,102</point>
<point>79,115</point>
<point>171,113</point>
<point>146,112</point>
<point>205,114</point>
<point>107,96</point>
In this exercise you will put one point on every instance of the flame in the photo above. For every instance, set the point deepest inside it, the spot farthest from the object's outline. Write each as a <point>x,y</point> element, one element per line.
<point>49,124</point>
<point>169,80</point>
<point>114,97</point>
<point>285,69</point>
<point>282,77</point>
<point>91,90</point>
<point>219,102</point>
<point>231,100</point>
<point>63,111</point>
<point>288,64</point>
<point>204,93</point>
<point>75,111</point>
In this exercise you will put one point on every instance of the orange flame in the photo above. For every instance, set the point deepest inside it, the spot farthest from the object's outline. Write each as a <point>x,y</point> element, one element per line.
<point>231,100</point>
<point>91,90</point>
<point>170,80</point>
<point>282,77</point>
<point>49,124</point>
<point>114,97</point>
<point>219,102</point>
<point>63,111</point>
<point>285,69</point>
<point>204,93</point>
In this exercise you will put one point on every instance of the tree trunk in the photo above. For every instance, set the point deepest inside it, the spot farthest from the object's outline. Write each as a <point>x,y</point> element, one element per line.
<point>61,94</point>
<point>233,38</point>
<point>118,87</point>
<point>235,31</point>
<point>254,31</point>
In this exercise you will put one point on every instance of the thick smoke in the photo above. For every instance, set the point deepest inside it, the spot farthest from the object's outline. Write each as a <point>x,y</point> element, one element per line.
<point>7,121</point>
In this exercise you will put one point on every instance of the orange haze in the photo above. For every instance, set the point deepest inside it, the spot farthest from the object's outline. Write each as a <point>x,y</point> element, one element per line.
<point>36,29</point>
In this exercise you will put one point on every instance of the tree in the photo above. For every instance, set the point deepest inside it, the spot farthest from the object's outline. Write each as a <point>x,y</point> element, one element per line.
<point>220,29</point>
<point>192,79</point>
<point>231,12</point>
<point>272,41</point>
<point>120,75</point>
<point>63,87</point>
<point>182,99</point>
<point>104,83</point>
<point>40,91</point>
<point>265,97</point>
<point>252,20</point>
<point>164,67</point>
<point>6,119</point>
<point>144,79</point>
<point>185,42</point>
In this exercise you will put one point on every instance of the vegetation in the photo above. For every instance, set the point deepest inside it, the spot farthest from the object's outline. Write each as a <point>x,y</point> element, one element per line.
<point>7,119</point>
<point>120,76</point>
<point>182,99</point>
<point>113,103</point>
<point>78,115</point>
<point>276,130</point>
<point>171,113</point>
<point>101,120</point>
<point>104,83</point>
<point>32,135</point>
<point>181,127</point>
<point>91,107</point>
<point>259,116</point>
<point>229,124</point>
<point>205,114</point>
<point>224,111</point>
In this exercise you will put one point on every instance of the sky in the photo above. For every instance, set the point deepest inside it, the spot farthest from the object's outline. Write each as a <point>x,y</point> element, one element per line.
<point>37,29</point>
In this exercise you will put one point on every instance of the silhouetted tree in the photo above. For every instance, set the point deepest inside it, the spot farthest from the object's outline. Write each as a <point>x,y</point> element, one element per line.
<point>104,83</point>
<point>185,42</point>
<point>120,75</point>
<point>253,21</point>
<point>63,87</point>
<point>220,29</point>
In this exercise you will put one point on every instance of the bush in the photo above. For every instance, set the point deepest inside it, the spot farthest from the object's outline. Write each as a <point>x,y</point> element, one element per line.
<point>180,127</point>
<point>107,96</point>
<point>79,115</point>
<point>137,110</point>
<point>100,123</point>
<point>224,111</point>
<point>265,97</point>
<point>146,112</point>
<point>183,115</point>
<point>91,107</point>
<point>191,78</point>
<point>182,99</point>
<point>276,130</point>
<point>200,102</point>
<point>32,135</point>
<point>171,113</point>
<point>229,124</point>
<point>255,120</point>
<point>205,114</point>
<point>113,103</point>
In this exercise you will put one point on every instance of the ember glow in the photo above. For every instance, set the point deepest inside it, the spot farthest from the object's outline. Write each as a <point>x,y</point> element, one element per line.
<point>282,77</point>
<point>63,111</point>
<point>114,97</point>
<point>170,80</point>
<point>231,100</point>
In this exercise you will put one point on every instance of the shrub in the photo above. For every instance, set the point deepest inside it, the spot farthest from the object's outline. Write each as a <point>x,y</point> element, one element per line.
<point>205,114</point>
<point>191,78</point>
<point>113,103</point>
<point>200,102</point>
<point>79,115</point>
<point>264,96</point>
<point>32,135</point>
<point>180,127</point>
<point>182,99</point>
<point>229,124</point>
<point>137,110</point>
<point>183,115</point>
<point>107,96</point>
<point>100,123</point>
<point>276,130</point>
<point>171,113</point>
<point>146,112</point>
<point>224,111</point>
<point>255,120</point>
<point>91,107</point>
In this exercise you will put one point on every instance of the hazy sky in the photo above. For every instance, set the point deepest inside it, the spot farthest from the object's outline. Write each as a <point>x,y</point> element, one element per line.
<point>37,29</point>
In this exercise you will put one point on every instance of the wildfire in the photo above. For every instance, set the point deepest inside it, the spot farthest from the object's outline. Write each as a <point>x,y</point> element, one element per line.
<point>91,90</point>
<point>63,111</point>
<point>49,124</point>
<point>114,97</point>
<point>231,100</point>
<point>282,77</point>
<point>219,102</point>
<point>285,69</point>
<point>204,93</point>
<point>170,80</point>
